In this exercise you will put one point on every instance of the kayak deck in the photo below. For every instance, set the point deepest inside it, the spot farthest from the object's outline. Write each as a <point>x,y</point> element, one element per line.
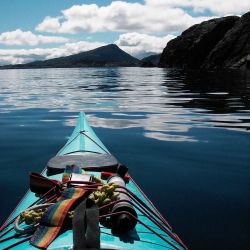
<point>138,238</point>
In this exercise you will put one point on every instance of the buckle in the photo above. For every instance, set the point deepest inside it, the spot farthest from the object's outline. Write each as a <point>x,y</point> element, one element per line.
<point>76,179</point>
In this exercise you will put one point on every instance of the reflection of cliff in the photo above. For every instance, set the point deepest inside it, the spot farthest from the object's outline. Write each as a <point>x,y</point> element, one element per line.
<point>216,92</point>
<point>211,92</point>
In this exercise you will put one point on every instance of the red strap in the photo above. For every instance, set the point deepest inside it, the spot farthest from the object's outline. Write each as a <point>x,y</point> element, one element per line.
<point>106,175</point>
<point>40,184</point>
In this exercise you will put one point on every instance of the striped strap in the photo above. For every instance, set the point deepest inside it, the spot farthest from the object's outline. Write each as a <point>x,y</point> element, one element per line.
<point>53,218</point>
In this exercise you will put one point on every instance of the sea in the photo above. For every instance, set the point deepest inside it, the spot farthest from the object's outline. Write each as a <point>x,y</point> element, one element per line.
<point>184,135</point>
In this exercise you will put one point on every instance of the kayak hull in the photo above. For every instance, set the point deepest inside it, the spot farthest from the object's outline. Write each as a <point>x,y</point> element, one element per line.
<point>83,140</point>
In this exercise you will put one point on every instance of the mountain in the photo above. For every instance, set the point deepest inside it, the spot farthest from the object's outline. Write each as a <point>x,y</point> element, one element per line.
<point>150,61</point>
<point>144,55</point>
<point>220,43</point>
<point>106,56</point>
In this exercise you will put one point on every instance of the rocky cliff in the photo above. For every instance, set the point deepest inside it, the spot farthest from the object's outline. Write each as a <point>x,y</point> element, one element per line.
<point>215,44</point>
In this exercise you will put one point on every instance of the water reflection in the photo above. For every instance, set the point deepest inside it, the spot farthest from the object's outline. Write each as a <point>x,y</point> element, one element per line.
<point>215,92</point>
<point>167,104</point>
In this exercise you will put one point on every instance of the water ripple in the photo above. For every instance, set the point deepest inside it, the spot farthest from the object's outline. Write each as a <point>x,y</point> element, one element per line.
<point>173,101</point>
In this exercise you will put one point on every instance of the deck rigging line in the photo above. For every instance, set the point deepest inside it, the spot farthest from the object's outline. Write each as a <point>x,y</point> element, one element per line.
<point>83,133</point>
<point>143,208</point>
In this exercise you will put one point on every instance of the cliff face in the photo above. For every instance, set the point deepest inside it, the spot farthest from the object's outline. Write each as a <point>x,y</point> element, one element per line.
<point>217,43</point>
<point>233,51</point>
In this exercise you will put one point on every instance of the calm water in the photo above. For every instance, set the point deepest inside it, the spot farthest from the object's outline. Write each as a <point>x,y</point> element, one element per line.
<point>184,135</point>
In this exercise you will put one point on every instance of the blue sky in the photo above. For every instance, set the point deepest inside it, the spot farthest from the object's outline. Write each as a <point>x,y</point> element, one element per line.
<point>43,29</point>
<point>27,14</point>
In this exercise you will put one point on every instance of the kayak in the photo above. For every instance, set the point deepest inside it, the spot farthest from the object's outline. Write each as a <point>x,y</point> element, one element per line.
<point>126,218</point>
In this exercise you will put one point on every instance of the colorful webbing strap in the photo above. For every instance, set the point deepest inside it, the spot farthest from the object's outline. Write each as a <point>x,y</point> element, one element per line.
<point>53,218</point>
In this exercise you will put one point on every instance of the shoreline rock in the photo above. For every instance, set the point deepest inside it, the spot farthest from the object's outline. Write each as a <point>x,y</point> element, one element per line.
<point>219,43</point>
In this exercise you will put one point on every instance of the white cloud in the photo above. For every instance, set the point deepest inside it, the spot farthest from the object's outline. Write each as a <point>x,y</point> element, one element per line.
<point>120,16</point>
<point>137,44</point>
<point>221,8</point>
<point>49,24</point>
<point>19,37</point>
<point>15,56</point>
<point>217,7</point>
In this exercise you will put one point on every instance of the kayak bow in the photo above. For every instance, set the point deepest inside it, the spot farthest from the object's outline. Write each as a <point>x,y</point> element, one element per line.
<point>85,150</point>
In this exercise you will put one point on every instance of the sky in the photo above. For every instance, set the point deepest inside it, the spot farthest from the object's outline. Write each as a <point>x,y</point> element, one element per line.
<point>43,29</point>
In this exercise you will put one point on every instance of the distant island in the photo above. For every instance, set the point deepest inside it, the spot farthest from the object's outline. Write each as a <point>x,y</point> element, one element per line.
<point>220,43</point>
<point>106,56</point>
<point>150,61</point>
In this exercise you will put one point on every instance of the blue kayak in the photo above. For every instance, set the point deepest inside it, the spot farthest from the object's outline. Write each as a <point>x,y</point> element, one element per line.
<point>146,227</point>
